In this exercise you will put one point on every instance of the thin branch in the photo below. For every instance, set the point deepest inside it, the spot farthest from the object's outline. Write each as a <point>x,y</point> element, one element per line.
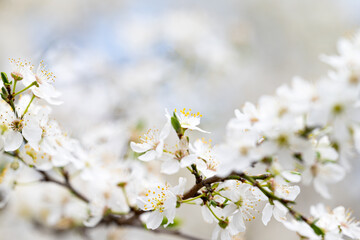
<point>134,222</point>
<point>193,192</point>
<point>66,184</point>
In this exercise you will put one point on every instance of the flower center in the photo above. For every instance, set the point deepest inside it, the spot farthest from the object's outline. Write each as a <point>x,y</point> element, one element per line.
<point>17,125</point>
<point>151,137</point>
<point>156,198</point>
<point>337,109</point>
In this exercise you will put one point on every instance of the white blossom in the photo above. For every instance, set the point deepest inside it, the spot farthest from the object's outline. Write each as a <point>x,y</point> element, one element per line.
<point>189,120</point>
<point>161,201</point>
<point>45,79</point>
<point>151,144</point>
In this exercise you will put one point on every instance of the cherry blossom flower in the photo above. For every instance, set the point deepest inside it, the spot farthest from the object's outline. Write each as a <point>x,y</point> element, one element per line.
<point>44,78</point>
<point>203,157</point>
<point>324,170</point>
<point>151,144</point>
<point>189,120</point>
<point>161,201</point>
<point>336,223</point>
<point>15,129</point>
<point>348,225</point>
<point>244,202</point>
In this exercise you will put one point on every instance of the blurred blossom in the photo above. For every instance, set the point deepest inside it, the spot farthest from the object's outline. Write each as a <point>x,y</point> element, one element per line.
<point>119,64</point>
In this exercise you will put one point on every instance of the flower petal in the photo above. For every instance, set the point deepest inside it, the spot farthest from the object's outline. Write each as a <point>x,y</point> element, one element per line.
<point>148,156</point>
<point>188,160</point>
<point>170,166</point>
<point>140,147</point>
<point>321,188</point>
<point>33,135</point>
<point>154,220</point>
<point>238,222</point>
<point>267,213</point>
<point>13,141</point>
<point>291,176</point>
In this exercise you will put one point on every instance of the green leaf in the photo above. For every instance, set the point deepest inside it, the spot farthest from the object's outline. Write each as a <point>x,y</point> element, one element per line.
<point>175,116</point>
<point>176,125</point>
<point>4,93</point>
<point>215,185</point>
<point>4,78</point>
<point>212,202</point>
<point>316,229</point>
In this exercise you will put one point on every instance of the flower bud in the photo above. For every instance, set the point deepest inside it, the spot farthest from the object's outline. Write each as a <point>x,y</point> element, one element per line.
<point>121,184</point>
<point>14,165</point>
<point>17,76</point>
<point>223,224</point>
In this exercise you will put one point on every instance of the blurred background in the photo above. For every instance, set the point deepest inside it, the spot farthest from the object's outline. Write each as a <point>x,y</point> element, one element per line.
<point>126,61</point>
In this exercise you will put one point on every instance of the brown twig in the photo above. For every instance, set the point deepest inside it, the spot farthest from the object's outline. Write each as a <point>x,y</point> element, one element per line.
<point>66,184</point>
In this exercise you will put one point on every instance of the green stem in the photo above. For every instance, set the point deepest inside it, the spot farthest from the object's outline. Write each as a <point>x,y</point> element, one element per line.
<point>27,107</point>
<point>125,195</point>
<point>298,216</point>
<point>219,219</point>
<point>216,193</point>
<point>190,170</point>
<point>12,105</point>
<point>32,84</point>
<point>192,199</point>
<point>263,190</point>
<point>14,88</point>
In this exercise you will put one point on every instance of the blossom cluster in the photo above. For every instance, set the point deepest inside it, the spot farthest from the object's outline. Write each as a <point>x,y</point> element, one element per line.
<point>305,133</point>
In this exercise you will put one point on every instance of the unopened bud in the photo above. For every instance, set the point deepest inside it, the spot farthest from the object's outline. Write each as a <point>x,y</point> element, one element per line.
<point>121,184</point>
<point>272,184</point>
<point>223,224</point>
<point>17,76</point>
<point>14,165</point>
<point>184,143</point>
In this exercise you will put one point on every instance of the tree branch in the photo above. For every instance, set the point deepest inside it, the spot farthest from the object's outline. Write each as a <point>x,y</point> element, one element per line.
<point>66,184</point>
<point>193,192</point>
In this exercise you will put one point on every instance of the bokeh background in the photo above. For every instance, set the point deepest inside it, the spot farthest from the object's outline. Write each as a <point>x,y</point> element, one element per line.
<point>125,61</point>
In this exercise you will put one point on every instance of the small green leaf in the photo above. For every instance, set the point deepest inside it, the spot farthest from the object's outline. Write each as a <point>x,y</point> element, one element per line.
<point>176,125</point>
<point>4,78</point>
<point>215,185</point>
<point>316,229</point>
<point>4,92</point>
<point>212,202</point>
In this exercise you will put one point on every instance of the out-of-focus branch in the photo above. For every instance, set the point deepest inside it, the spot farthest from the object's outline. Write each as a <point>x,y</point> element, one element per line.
<point>131,219</point>
<point>66,184</point>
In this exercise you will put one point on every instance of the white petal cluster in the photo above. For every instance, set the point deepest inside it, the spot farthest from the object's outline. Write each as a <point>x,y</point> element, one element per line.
<point>336,224</point>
